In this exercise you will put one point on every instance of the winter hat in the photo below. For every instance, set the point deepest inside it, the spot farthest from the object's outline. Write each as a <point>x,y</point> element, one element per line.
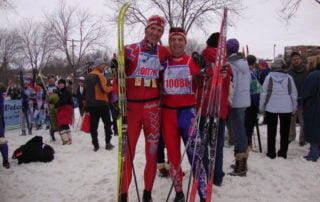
<point>213,40</point>
<point>293,54</point>
<point>263,63</point>
<point>97,62</point>
<point>62,81</point>
<point>178,31</point>
<point>232,46</point>
<point>52,76</point>
<point>26,80</point>
<point>156,20</point>
<point>81,78</point>
<point>278,64</point>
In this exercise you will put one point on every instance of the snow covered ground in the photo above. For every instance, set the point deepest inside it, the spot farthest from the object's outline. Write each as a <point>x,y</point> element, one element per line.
<point>79,174</point>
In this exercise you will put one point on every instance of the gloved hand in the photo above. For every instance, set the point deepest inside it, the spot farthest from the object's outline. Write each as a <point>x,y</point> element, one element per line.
<point>199,60</point>
<point>116,110</point>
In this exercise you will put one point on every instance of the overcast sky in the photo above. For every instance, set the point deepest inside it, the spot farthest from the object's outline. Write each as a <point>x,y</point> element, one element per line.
<point>259,27</point>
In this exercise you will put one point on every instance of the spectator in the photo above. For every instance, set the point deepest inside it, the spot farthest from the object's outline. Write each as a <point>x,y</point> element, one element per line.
<point>81,94</point>
<point>3,141</point>
<point>310,95</point>
<point>97,103</point>
<point>240,101</point>
<point>279,99</point>
<point>251,114</point>
<point>64,112</point>
<point>299,73</point>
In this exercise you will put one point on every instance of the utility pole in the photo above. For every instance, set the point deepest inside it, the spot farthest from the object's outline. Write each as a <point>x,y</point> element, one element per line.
<point>72,46</point>
<point>74,72</point>
<point>274,51</point>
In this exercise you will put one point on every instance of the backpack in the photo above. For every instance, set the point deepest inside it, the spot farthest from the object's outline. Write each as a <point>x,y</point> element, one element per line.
<point>34,150</point>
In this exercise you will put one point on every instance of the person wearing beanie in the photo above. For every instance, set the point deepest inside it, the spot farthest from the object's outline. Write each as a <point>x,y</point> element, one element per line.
<point>3,141</point>
<point>64,109</point>
<point>278,100</point>
<point>178,110</point>
<point>143,63</point>
<point>210,53</point>
<point>97,103</point>
<point>299,73</point>
<point>264,70</point>
<point>240,101</point>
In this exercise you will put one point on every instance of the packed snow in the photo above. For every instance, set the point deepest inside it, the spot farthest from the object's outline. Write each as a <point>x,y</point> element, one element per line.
<point>79,174</point>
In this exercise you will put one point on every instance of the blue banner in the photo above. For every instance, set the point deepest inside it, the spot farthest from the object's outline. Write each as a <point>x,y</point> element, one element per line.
<point>12,110</point>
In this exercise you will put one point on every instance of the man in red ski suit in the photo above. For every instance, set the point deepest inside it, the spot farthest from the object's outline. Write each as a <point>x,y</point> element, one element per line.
<point>143,64</point>
<point>179,112</point>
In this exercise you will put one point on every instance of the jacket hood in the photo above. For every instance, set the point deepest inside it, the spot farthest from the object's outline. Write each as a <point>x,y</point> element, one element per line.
<point>279,77</point>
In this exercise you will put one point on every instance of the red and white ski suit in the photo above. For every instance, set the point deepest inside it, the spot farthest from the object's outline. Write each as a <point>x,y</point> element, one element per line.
<point>178,114</point>
<point>143,107</point>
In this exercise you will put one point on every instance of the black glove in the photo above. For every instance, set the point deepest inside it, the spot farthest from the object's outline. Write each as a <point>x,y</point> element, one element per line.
<point>199,60</point>
<point>116,110</point>
<point>114,64</point>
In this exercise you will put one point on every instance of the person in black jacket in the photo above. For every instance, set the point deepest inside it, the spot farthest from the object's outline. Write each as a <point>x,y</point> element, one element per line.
<point>81,94</point>
<point>65,112</point>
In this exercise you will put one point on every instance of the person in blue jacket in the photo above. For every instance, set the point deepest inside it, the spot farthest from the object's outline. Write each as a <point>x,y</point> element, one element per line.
<point>310,95</point>
<point>3,141</point>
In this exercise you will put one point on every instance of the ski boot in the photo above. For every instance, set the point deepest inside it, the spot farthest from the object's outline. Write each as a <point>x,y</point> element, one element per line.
<point>146,196</point>
<point>179,197</point>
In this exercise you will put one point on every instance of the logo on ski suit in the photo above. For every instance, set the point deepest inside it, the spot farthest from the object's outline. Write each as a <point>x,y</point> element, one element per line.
<point>178,79</point>
<point>148,66</point>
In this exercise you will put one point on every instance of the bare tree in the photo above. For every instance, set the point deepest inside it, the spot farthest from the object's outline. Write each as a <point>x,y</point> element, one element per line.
<point>9,47</point>
<point>36,43</point>
<point>76,33</point>
<point>182,13</point>
<point>6,4</point>
<point>194,45</point>
<point>289,9</point>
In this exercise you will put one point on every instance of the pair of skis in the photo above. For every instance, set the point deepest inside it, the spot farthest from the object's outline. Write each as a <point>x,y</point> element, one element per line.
<point>211,122</point>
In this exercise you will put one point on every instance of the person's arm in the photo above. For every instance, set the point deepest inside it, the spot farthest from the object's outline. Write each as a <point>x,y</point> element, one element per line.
<point>103,84</point>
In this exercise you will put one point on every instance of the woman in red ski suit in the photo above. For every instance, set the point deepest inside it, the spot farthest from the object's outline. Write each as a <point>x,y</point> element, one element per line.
<point>179,111</point>
<point>143,64</point>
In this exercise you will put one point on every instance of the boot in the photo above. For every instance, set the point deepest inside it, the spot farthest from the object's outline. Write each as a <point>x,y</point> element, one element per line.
<point>64,136</point>
<point>179,197</point>
<point>6,164</point>
<point>23,133</point>
<point>124,197</point>
<point>69,136</point>
<point>241,165</point>
<point>146,196</point>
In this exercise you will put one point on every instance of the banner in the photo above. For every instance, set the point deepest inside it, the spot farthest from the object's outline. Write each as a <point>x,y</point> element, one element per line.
<point>12,110</point>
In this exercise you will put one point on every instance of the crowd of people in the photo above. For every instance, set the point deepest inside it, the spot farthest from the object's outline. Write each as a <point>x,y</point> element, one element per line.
<point>165,94</point>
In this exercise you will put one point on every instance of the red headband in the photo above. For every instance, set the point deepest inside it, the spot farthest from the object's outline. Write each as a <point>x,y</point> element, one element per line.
<point>156,20</point>
<point>177,31</point>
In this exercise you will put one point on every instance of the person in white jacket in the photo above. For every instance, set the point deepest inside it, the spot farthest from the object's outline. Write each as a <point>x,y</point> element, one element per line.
<point>279,99</point>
